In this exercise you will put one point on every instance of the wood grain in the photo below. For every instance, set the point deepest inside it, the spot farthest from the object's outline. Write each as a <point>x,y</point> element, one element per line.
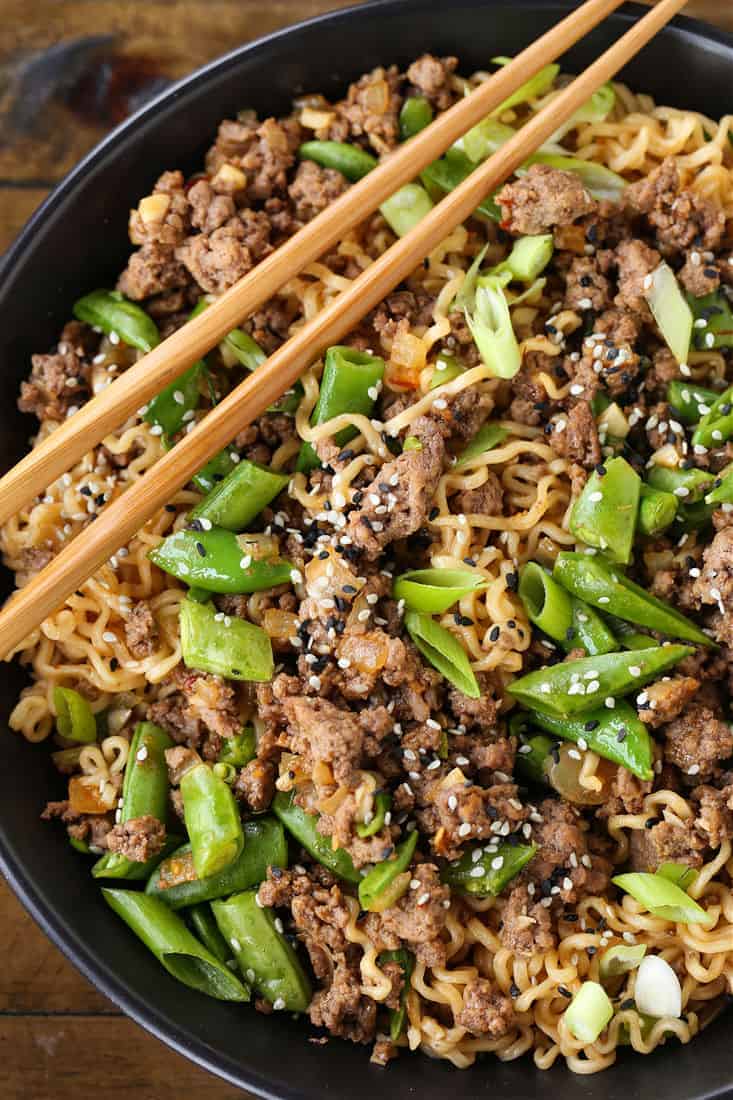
<point>59,1037</point>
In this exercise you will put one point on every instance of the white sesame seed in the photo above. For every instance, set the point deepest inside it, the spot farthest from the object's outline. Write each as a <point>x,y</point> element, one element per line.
<point>693,770</point>
<point>423,899</point>
<point>476,872</point>
<point>278,1004</point>
<point>108,636</point>
<point>596,497</point>
<point>604,599</point>
<point>464,829</point>
<point>497,863</point>
<point>634,670</point>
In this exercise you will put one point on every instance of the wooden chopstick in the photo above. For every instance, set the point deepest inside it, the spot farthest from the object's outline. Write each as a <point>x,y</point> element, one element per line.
<point>121,519</point>
<point>114,404</point>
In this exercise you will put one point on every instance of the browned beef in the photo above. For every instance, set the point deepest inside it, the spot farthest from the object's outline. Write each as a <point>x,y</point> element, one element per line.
<point>486,500</point>
<point>486,1010</point>
<point>714,819</point>
<point>431,76</point>
<point>218,259</point>
<point>699,276</point>
<point>543,198</point>
<point>255,784</point>
<point>635,261</point>
<point>563,857</point>
<point>341,1007</point>
<point>371,110</point>
<point>202,710</point>
<point>664,843</point>
<point>626,794</point>
<point>209,210</point>
<point>152,270</point>
<point>138,840</point>
<point>57,383</point>
<point>578,439</point>
<point>314,188</point>
<point>419,916</point>
<point>141,630</point>
<point>526,927</point>
<point>715,583</point>
<point>166,219</point>
<point>586,287</point>
<point>410,481</point>
<point>667,698</point>
<point>530,404</point>
<point>323,733</point>
<point>697,742</point>
<point>94,828</point>
<point>680,218</point>
<point>478,713</point>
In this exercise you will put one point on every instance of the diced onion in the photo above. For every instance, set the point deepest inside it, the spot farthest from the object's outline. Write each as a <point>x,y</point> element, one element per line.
<point>657,992</point>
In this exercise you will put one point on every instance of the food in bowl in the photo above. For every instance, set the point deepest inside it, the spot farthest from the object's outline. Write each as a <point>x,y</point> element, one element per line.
<point>407,712</point>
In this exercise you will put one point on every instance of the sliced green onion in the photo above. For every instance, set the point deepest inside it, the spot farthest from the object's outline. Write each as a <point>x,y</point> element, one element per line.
<point>597,108</point>
<point>481,141</point>
<point>408,206</point>
<point>661,897</point>
<point>528,258</point>
<point>621,959</point>
<point>490,323</point>
<point>657,990</point>
<point>435,590</point>
<point>679,873</point>
<point>74,718</point>
<point>671,311</point>
<point>444,652</point>
<point>485,439</point>
<point>535,87</point>
<point>588,1013</point>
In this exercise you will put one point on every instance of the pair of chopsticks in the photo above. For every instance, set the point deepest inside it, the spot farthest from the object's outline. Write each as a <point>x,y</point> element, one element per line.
<point>121,519</point>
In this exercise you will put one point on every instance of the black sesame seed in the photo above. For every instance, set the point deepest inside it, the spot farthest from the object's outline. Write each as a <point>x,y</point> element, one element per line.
<point>512,581</point>
<point>323,555</point>
<point>114,664</point>
<point>236,672</point>
<point>514,990</point>
<point>585,280</point>
<point>170,508</point>
<point>564,991</point>
<point>601,470</point>
<point>590,725</point>
<point>433,512</point>
<point>651,822</point>
<point>628,1003</point>
<point>201,549</point>
<point>570,633</point>
<point>348,589</point>
<point>86,491</point>
<point>710,272</point>
<point>494,634</point>
<point>622,735</point>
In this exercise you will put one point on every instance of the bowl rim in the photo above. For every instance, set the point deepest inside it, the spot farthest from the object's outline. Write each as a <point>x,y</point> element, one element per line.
<point>77,950</point>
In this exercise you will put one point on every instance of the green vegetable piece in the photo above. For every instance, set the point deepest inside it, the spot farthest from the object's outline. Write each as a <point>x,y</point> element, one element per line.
<point>485,439</point>
<point>264,955</point>
<point>408,206</point>
<point>716,425</point>
<point>415,114</point>
<point>447,367</point>
<point>398,1016</point>
<point>528,258</point>
<point>215,470</point>
<point>689,401</point>
<point>380,878</point>
<point>246,351</point>
<point>598,107</point>
<point>444,652</point>
<point>444,175</point>
<point>490,323</point>
<point>588,1013</point>
<point>80,845</point>
<point>605,513</point>
<point>144,793</point>
<point>629,637</point>
<point>657,510</point>
<point>679,873</point>
<point>535,87</point>
<point>689,486</point>
<point>602,586</point>
<point>590,631</point>
<point>412,443</point>
<point>715,309</point>
<point>481,141</point>
<point>671,311</point>
<point>695,517</point>
<point>435,590</point>
<point>349,160</point>
<point>74,717</point>
<point>240,749</point>
<point>616,734</point>
<point>463,874</point>
<point>213,560</point>
<point>600,181</point>
<point>532,754</point>
<point>548,605</point>
<point>620,959</point>
<point>722,491</point>
<point>168,409</point>
<point>304,827</point>
<point>382,805</point>
<point>350,383</point>
<point>174,946</point>
<point>176,883</point>
<point>212,821</point>
<point>204,926</point>
<point>562,691</point>
<point>241,496</point>
<point>113,313</point>
<point>661,897</point>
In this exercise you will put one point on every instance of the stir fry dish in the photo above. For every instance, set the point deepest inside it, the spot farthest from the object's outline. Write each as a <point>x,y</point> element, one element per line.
<point>410,712</point>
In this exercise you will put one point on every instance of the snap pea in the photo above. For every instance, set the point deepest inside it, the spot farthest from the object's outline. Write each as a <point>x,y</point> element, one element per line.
<point>689,401</point>
<point>304,827</point>
<point>200,595</point>
<point>382,805</point>
<point>716,425</point>
<point>239,651</point>
<point>574,687</point>
<point>689,486</point>
<point>240,749</point>
<point>564,618</point>
<point>485,439</point>
<point>531,756</point>
<point>113,313</point>
<point>444,652</point>
<point>264,956</point>
<point>657,510</point>
<point>447,367</point>
<point>694,517</point>
<point>714,308</point>
<point>169,409</point>
<point>491,873</point>
<point>435,590</point>
<point>415,114</point>
<point>605,513</point>
<point>606,588</point>
<point>722,489</point>
<point>205,928</point>
<point>215,470</point>
<point>383,885</point>
<point>350,383</point>
<point>214,560</point>
<point>244,349</point>
<point>408,206</point>
<point>398,1016</point>
<point>349,160</point>
<point>74,718</point>
<point>590,631</point>
<point>225,771</point>
<point>628,636</point>
<point>241,496</point>
<point>176,883</point>
<point>175,947</point>
<point>616,734</point>
<point>81,846</point>
<point>144,793</point>
<point>444,175</point>
<point>212,821</point>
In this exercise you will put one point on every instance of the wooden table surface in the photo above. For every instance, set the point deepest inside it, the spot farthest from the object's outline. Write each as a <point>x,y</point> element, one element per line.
<point>70,69</point>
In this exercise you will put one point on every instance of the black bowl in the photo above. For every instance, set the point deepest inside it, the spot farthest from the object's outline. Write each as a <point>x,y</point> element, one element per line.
<point>78,240</point>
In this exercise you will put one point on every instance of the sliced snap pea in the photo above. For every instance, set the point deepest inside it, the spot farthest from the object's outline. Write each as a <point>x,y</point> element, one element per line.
<point>245,350</point>
<point>444,175</point>
<point>531,756</point>
<point>415,114</point>
<point>304,827</point>
<point>657,510</point>
<point>240,749</point>
<point>689,401</point>
<point>169,410</point>
<point>605,513</point>
<point>204,927</point>
<point>113,313</point>
<point>241,496</point>
<point>486,438</point>
<point>491,873</point>
<point>447,367</point>
<point>239,651</point>
<point>716,425</point>
<point>398,1016</point>
<point>264,955</point>
<point>722,489</point>
<point>175,947</point>
<point>688,486</point>
<point>176,883</point>
<point>349,160</point>
<point>616,734</point>
<point>214,560</point>
<point>435,590</point>
<point>380,883</point>
<point>74,718</point>
<point>715,310</point>
<point>444,652</point>
<point>590,631</point>
<point>212,821</point>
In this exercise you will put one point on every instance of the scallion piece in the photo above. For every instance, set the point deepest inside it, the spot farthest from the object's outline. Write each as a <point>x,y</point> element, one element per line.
<point>485,439</point>
<point>661,897</point>
<point>408,206</point>
<point>620,959</point>
<point>671,311</point>
<point>488,317</point>
<point>657,991</point>
<point>536,86</point>
<point>678,873</point>
<point>435,590</point>
<point>588,1013</point>
<point>74,718</point>
<point>528,258</point>
<point>444,652</point>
